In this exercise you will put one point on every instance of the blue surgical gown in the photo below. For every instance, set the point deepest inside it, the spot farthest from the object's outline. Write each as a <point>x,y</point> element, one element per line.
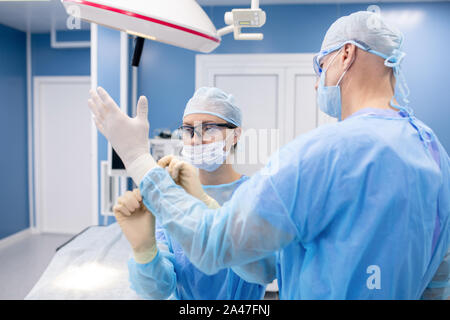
<point>171,274</point>
<point>355,210</point>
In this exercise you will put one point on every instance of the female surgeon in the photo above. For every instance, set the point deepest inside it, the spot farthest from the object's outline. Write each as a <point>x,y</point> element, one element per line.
<point>210,131</point>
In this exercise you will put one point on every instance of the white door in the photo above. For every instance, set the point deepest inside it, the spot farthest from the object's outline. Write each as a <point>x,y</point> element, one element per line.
<point>259,99</point>
<point>63,158</point>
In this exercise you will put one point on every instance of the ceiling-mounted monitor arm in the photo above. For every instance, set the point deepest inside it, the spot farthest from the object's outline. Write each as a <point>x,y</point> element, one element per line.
<point>244,18</point>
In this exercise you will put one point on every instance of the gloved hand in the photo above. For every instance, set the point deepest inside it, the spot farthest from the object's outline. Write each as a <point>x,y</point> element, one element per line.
<point>137,224</point>
<point>185,175</point>
<point>128,136</point>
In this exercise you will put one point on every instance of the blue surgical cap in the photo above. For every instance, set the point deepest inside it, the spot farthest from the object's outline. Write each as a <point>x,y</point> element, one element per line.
<point>366,28</point>
<point>370,32</point>
<point>213,101</point>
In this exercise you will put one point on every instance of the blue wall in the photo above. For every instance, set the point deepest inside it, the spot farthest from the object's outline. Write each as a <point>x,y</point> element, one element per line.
<point>167,75</point>
<point>14,214</point>
<point>47,61</point>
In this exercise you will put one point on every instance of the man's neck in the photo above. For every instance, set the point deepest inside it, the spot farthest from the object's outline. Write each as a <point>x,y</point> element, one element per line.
<point>369,96</point>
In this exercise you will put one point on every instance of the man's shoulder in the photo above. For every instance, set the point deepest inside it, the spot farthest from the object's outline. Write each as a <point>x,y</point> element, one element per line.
<point>335,137</point>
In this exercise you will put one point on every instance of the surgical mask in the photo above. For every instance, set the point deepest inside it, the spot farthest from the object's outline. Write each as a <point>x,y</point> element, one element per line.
<point>329,97</point>
<point>208,157</point>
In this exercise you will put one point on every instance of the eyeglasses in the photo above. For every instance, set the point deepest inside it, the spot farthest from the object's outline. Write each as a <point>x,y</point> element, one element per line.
<point>318,69</point>
<point>207,131</point>
<point>318,62</point>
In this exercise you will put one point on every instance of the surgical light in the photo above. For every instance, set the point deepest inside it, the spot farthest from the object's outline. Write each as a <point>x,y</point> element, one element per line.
<point>181,23</point>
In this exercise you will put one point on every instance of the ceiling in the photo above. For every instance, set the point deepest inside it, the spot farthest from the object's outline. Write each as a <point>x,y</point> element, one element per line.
<point>36,16</point>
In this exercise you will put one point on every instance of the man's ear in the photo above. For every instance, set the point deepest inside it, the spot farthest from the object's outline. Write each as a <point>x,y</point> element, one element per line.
<point>349,55</point>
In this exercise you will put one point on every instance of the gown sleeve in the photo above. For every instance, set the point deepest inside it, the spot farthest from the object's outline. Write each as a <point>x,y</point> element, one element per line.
<point>252,225</point>
<point>156,279</point>
<point>262,271</point>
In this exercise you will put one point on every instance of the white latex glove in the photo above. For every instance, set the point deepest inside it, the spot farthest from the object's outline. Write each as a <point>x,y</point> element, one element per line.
<point>137,224</point>
<point>185,175</point>
<point>128,136</point>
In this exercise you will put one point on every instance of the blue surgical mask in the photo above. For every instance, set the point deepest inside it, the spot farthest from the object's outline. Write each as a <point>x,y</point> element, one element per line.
<point>329,97</point>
